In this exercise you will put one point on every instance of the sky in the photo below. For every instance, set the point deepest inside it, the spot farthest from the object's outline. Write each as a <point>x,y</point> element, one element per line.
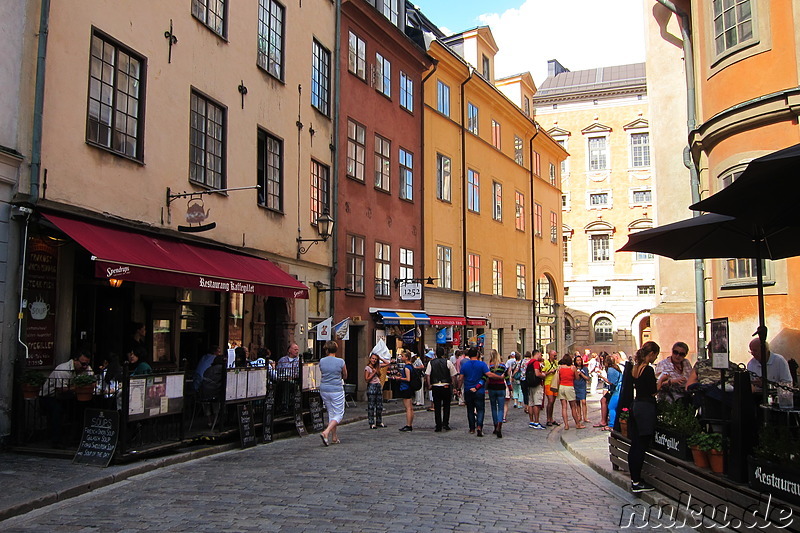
<point>580,34</point>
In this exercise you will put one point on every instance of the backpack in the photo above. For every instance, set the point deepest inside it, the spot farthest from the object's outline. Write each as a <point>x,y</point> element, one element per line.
<point>416,380</point>
<point>531,379</point>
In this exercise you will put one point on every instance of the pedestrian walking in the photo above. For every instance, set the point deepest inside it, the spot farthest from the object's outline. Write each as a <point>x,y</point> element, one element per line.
<point>440,376</point>
<point>404,390</point>
<point>549,368</point>
<point>613,381</point>
<point>643,412</point>
<point>534,380</point>
<point>473,376</point>
<point>372,376</point>
<point>331,389</point>
<point>496,389</point>
<point>516,381</point>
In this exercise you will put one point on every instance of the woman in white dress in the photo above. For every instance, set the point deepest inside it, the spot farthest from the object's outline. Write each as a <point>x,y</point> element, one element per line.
<point>331,389</point>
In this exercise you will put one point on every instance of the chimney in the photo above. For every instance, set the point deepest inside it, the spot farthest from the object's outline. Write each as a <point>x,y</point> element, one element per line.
<point>554,68</point>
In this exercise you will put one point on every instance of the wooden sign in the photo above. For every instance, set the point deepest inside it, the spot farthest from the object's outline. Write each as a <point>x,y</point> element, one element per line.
<point>99,440</point>
<point>315,405</point>
<point>269,414</point>
<point>298,413</point>
<point>247,434</point>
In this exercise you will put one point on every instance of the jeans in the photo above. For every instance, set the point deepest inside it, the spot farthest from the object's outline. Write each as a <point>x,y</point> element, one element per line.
<point>497,399</point>
<point>476,407</point>
<point>441,405</point>
<point>374,403</point>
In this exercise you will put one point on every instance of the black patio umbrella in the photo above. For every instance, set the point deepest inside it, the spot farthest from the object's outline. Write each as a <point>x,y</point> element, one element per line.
<point>720,236</point>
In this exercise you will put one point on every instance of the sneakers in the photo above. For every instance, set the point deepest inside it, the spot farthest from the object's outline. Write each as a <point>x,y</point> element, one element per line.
<point>641,487</point>
<point>406,428</point>
<point>536,425</point>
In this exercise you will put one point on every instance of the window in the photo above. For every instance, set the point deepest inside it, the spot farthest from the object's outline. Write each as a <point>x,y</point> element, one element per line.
<point>526,105</point>
<point>472,118</point>
<point>356,149</point>
<point>733,23</point>
<point>640,150</point>
<point>382,269</point>
<point>743,272</point>
<point>443,98</point>
<point>406,263</point>
<point>645,290</point>
<point>565,202</point>
<point>601,249</point>
<point>406,175</point>
<point>644,256</point>
<point>603,331</point>
<point>383,75</point>
<point>206,142</point>
<point>519,210</point>
<point>319,190</point>
<point>497,200</point>
<point>497,277</point>
<point>382,163</point>
<point>537,164</point>
<point>115,112</point>
<point>211,13</point>
<point>390,10</point>
<point>565,241</point>
<point>443,184</point>
<point>521,282</point>
<point>603,290</point>
<point>598,156</point>
<point>553,227</point>
<point>599,199</point>
<point>538,223</point>
<point>270,171</point>
<point>643,196</point>
<point>444,266</point>
<point>553,176</point>
<point>355,264</point>
<point>564,163</point>
<point>496,134</point>
<point>473,191</point>
<point>320,77</point>
<point>357,57</point>
<point>519,158</point>
<point>270,37</point>
<point>406,92</point>
<point>486,67</point>
<point>474,273</point>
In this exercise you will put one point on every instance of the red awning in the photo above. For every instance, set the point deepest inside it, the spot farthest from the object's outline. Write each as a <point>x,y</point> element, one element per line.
<point>438,320</point>
<point>128,255</point>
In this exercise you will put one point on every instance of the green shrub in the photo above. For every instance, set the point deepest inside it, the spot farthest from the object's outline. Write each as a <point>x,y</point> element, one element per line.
<point>677,418</point>
<point>33,378</point>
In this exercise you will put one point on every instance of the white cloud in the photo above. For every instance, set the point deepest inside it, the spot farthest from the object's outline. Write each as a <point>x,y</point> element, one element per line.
<point>580,34</point>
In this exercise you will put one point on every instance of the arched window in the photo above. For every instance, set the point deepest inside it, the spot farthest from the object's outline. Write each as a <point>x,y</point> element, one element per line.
<point>602,330</point>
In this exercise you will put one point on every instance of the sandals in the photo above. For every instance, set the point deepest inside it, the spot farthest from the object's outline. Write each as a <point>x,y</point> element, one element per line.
<point>599,426</point>
<point>324,439</point>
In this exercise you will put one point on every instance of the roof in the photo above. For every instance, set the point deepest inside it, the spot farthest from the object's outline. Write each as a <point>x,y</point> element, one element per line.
<point>593,80</point>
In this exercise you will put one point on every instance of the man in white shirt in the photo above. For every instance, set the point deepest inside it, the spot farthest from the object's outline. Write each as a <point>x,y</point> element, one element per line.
<point>777,367</point>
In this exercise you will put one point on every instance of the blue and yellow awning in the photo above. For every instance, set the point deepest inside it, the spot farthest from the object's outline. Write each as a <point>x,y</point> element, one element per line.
<point>404,318</point>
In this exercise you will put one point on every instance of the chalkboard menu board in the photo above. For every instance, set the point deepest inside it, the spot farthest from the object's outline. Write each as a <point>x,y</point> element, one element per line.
<point>247,434</point>
<point>315,405</point>
<point>99,440</point>
<point>269,414</point>
<point>298,413</point>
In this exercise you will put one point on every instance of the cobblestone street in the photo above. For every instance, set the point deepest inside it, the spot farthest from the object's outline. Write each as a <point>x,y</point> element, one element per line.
<point>375,480</point>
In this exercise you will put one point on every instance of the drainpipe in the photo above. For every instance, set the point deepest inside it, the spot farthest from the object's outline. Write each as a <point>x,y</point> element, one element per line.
<point>465,256</point>
<point>38,102</point>
<point>337,80</point>
<point>422,158</point>
<point>533,237</point>
<point>688,161</point>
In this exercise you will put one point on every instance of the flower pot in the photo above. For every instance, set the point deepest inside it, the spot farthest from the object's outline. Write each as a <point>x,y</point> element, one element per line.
<point>700,457</point>
<point>716,459</point>
<point>30,392</point>
<point>623,428</point>
<point>84,393</point>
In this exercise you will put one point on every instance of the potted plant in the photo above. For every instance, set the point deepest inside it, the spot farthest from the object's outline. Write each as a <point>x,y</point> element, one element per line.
<point>31,383</point>
<point>84,386</point>
<point>698,444</point>
<point>675,423</point>
<point>716,452</point>
<point>624,416</point>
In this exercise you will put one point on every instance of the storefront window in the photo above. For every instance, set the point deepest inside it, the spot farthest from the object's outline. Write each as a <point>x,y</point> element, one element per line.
<point>162,340</point>
<point>235,319</point>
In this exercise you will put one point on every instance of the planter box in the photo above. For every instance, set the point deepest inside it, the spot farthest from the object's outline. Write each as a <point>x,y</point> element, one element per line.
<point>667,442</point>
<point>782,482</point>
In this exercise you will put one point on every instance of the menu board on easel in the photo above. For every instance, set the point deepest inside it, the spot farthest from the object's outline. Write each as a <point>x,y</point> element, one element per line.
<point>298,413</point>
<point>247,434</point>
<point>99,440</point>
<point>315,406</point>
<point>269,414</point>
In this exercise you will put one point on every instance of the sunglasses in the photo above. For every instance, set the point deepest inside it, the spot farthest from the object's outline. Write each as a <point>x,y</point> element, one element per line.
<point>678,352</point>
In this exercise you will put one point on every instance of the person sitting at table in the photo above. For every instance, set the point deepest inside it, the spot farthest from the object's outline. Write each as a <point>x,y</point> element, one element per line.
<point>57,391</point>
<point>673,373</point>
<point>777,367</point>
<point>138,365</point>
<point>214,351</point>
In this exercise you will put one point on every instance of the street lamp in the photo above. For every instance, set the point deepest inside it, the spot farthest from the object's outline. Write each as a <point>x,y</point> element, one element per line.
<point>324,228</point>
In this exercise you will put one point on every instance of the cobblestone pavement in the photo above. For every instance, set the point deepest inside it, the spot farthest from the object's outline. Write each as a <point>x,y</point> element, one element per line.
<point>375,480</point>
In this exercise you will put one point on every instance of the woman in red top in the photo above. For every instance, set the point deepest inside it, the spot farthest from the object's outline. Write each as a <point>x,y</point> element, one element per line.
<point>566,391</point>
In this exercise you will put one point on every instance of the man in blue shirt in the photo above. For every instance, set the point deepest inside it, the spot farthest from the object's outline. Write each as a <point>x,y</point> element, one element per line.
<point>473,376</point>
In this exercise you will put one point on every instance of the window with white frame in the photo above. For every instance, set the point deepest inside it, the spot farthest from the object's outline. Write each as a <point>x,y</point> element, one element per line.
<point>270,171</point>
<point>733,24</point>
<point>645,290</point>
<point>538,222</point>
<point>601,248</point>
<point>497,277</point>
<point>526,105</point>
<point>553,227</point>
<point>406,92</point>
<point>355,264</point>
<point>599,200</point>
<point>486,69</point>
<point>537,164</point>
<point>565,243</point>
<point>383,268</point>
<point>356,149</point>
<point>472,118</point>
<point>603,331</point>
<point>742,272</point>
<point>640,150</point>
<point>474,273</point>
<point>443,177</point>
<point>601,290</point>
<point>270,37</point>
<point>598,153</point>
<point>406,263</point>
<point>382,163</point>
<point>565,201</point>
<point>553,175</point>
<point>519,156</point>
<point>406,175</point>
<point>644,256</point>
<point>212,13</point>
<point>206,142</point>
<point>473,191</point>
<point>357,57</point>
<point>383,75</point>
<point>496,134</point>
<point>565,162</point>
<point>521,281</point>
<point>320,185</point>
<point>519,211</point>
<point>391,10</point>
<point>444,266</point>
<point>443,98</point>
<point>641,197</point>
<point>497,201</point>
<point>320,78</point>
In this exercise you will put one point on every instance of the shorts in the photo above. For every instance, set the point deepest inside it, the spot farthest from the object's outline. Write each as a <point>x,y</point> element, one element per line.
<point>548,392</point>
<point>536,396</point>
<point>566,392</point>
<point>406,394</point>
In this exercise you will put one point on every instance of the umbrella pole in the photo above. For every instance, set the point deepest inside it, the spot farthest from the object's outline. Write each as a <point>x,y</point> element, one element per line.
<point>762,327</point>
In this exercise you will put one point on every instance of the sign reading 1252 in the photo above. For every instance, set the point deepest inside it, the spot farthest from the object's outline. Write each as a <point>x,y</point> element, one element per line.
<point>410,291</point>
